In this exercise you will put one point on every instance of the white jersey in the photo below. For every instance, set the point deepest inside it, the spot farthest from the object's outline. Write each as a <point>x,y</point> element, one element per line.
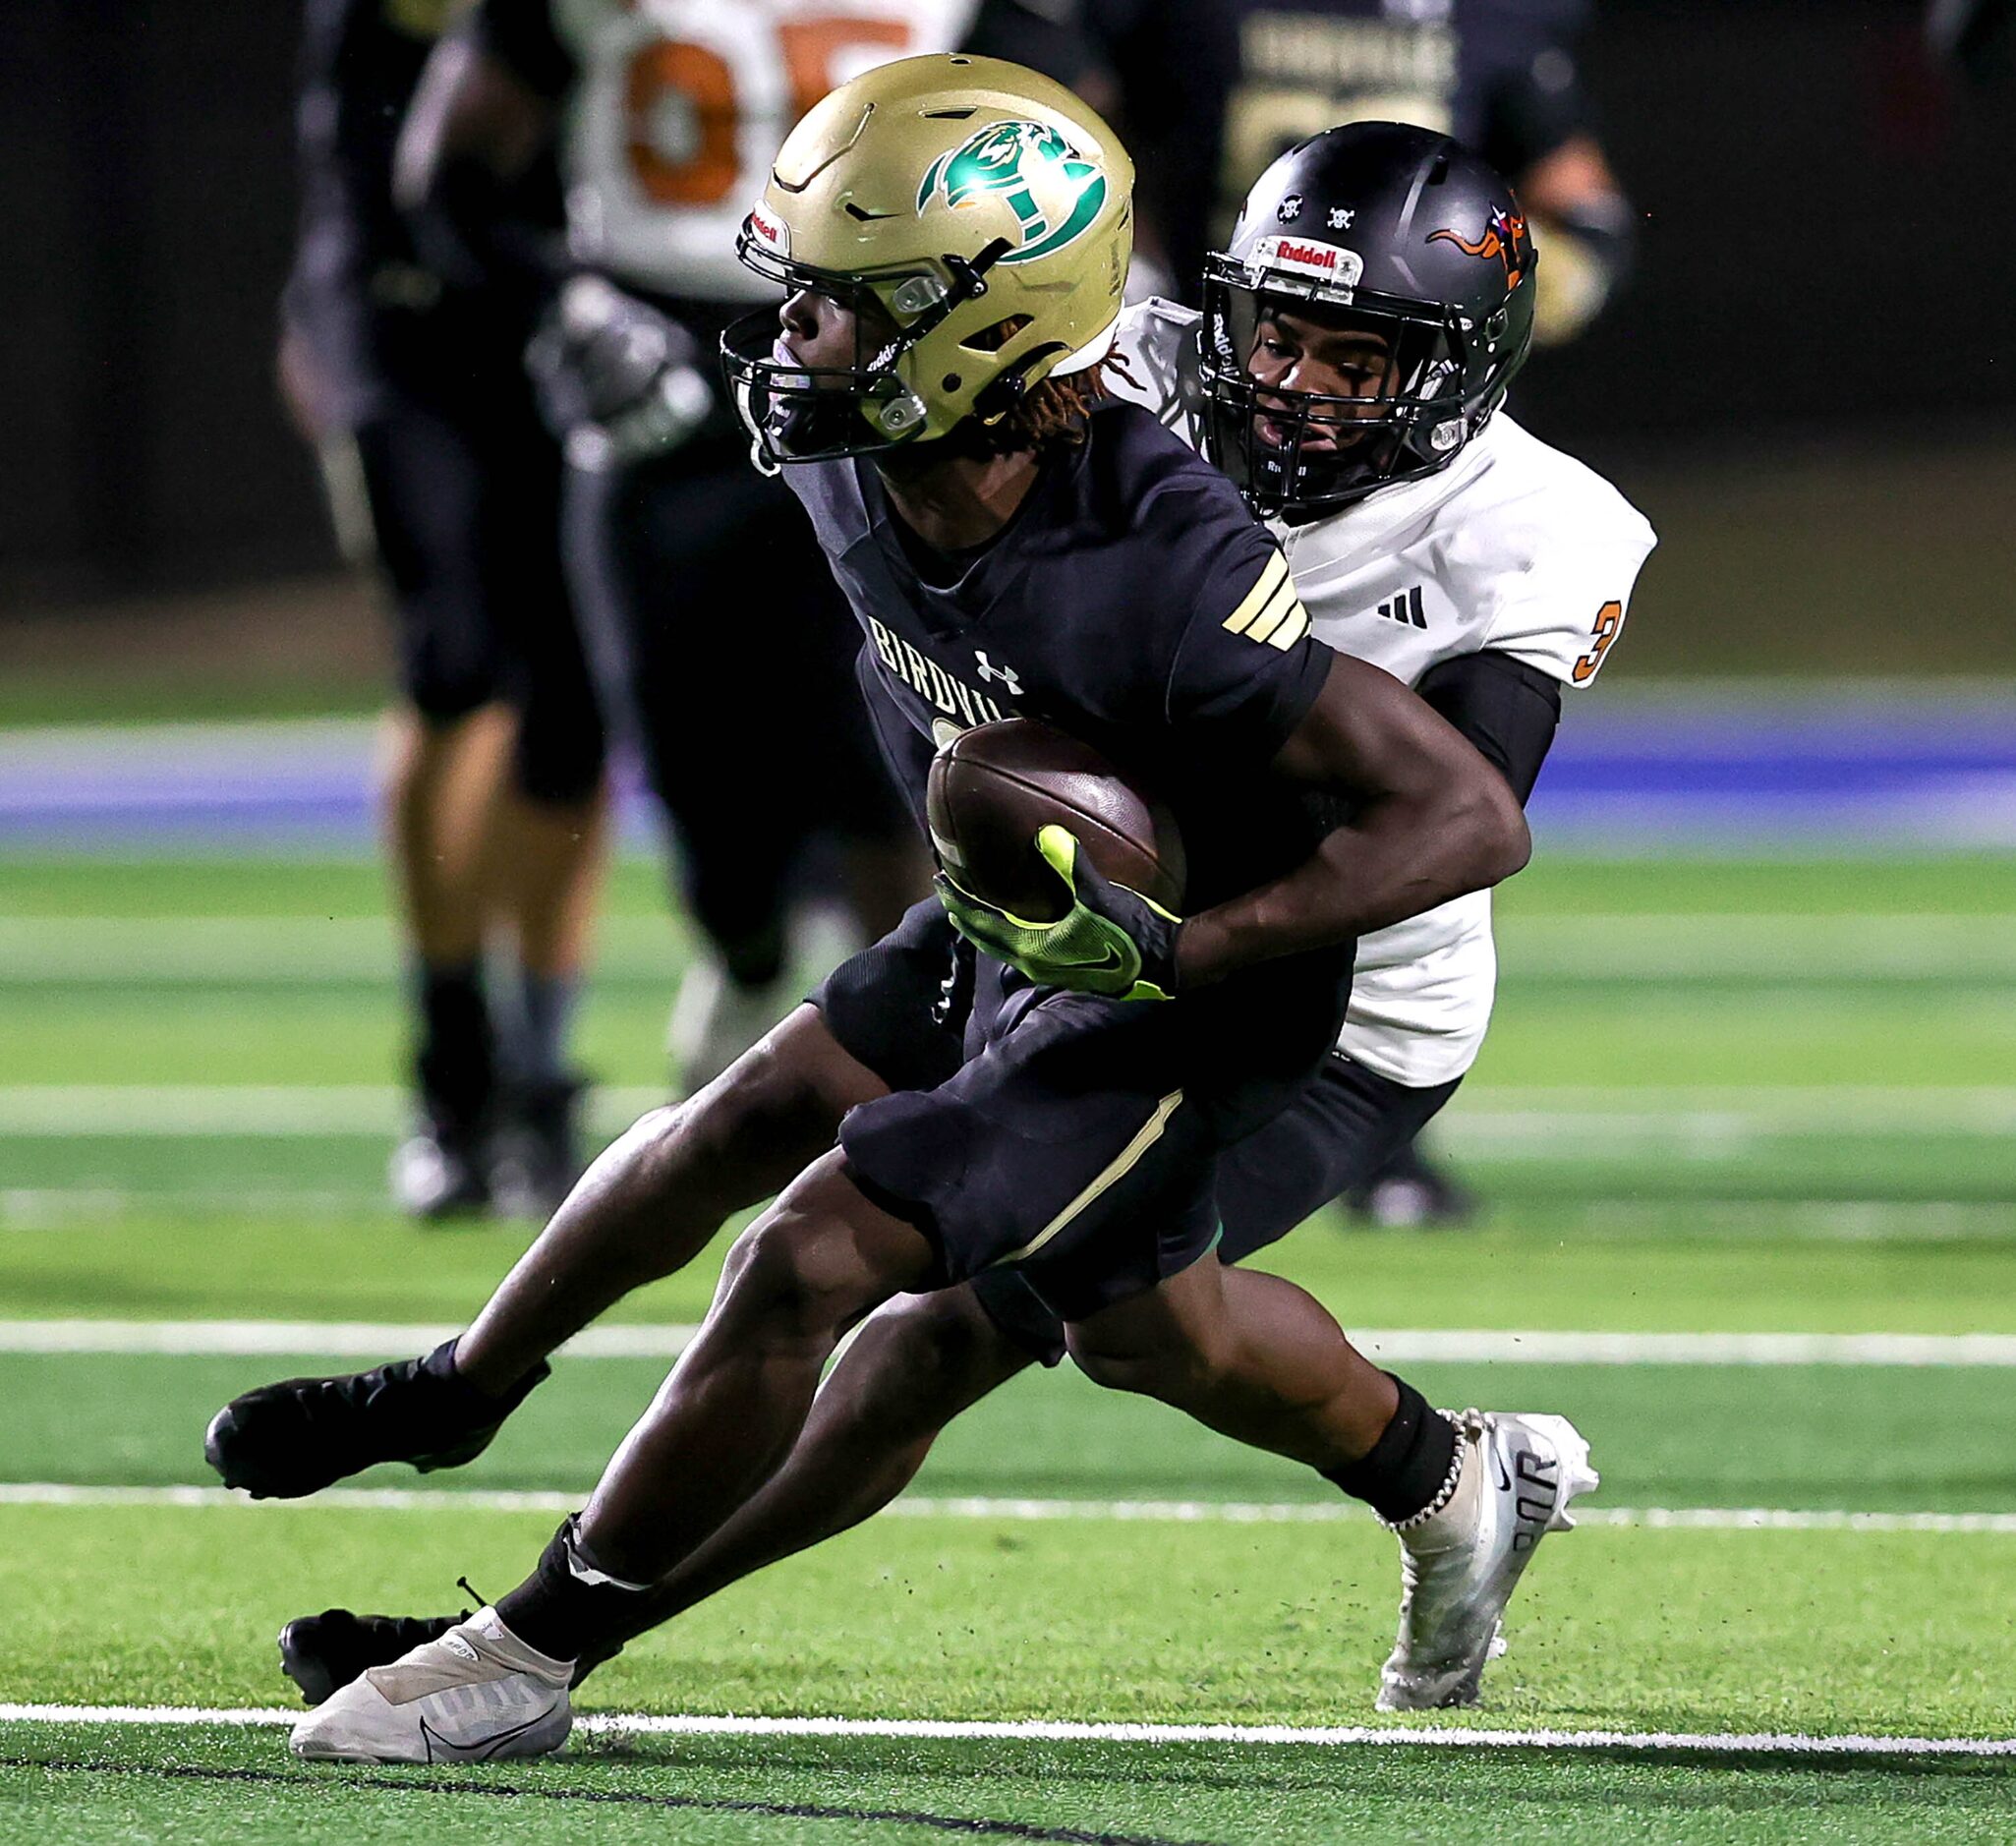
<point>1514,547</point>
<point>681,105</point>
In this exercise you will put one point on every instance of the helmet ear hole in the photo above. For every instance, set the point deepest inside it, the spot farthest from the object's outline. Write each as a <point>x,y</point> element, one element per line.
<point>991,339</point>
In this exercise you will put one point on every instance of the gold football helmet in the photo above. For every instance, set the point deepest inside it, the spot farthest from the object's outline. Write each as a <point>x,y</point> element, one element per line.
<point>980,209</point>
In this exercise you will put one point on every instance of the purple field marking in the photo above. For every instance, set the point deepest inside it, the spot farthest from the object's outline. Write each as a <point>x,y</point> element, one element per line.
<point>1642,774</point>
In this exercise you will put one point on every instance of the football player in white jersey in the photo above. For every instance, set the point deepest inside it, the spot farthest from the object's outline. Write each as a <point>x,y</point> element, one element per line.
<point>665,115</point>
<point>1353,387</point>
<point>1453,549</point>
<point>1537,586</point>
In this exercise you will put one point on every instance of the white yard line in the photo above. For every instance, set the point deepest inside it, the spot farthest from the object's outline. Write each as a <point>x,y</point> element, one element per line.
<point>1039,1512</point>
<point>1593,1120</point>
<point>608,1723</point>
<point>354,1338</point>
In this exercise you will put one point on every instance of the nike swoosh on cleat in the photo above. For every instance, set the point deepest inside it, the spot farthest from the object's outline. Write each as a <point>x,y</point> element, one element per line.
<point>467,1752</point>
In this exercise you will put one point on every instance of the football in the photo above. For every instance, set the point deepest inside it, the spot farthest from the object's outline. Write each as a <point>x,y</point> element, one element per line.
<point>993,787</point>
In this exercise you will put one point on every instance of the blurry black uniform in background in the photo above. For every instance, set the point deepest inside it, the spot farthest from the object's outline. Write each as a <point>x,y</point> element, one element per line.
<point>416,394</point>
<point>1209,92</point>
<point>1977,37</point>
<point>696,575</point>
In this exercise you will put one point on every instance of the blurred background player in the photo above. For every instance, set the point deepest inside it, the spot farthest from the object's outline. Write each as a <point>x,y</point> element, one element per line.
<point>440,471</point>
<point>694,573</point>
<point>1253,78</point>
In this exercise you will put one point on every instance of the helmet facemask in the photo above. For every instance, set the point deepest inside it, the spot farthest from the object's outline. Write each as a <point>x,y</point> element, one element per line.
<point>1296,451</point>
<point>799,413</point>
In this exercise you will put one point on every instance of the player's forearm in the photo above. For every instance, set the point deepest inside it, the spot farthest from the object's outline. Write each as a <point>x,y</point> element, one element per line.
<point>1398,858</point>
<point>1431,819</point>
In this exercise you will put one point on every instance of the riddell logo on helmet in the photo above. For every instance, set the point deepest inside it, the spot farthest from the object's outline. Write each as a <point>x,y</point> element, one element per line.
<point>1328,263</point>
<point>772,233</point>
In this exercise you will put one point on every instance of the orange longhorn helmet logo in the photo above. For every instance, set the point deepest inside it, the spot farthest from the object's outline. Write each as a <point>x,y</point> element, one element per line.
<point>1502,239</point>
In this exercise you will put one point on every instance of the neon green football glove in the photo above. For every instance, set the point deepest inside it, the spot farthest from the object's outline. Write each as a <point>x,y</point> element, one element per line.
<point>1111,942</point>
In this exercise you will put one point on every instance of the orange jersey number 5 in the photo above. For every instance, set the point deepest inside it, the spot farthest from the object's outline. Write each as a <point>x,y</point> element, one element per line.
<point>700,79</point>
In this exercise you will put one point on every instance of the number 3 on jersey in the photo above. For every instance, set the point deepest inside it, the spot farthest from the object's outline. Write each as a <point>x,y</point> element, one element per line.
<point>1609,619</point>
<point>684,115</point>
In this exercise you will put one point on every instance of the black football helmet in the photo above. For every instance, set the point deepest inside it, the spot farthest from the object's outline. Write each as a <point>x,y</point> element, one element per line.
<point>1378,228</point>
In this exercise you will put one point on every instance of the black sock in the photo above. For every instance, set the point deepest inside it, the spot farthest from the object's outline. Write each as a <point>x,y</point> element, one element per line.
<point>455,1063</point>
<point>756,960</point>
<point>546,1010</point>
<point>565,1616</point>
<point>1407,1465</point>
<point>471,1397</point>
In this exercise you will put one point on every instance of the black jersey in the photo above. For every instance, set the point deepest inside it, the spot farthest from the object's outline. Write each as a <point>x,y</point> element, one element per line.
<point>370,310</point>
<point>1259,75</point>
<point>1133,603</point>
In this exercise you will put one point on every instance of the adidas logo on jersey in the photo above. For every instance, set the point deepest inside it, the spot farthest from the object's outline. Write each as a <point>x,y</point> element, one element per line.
<point>1406,609</point>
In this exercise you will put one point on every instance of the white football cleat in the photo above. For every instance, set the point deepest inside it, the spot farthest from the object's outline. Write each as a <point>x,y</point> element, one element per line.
<point>1459,1566</point>
<point>713,1021</point>
<point>477,1695</point>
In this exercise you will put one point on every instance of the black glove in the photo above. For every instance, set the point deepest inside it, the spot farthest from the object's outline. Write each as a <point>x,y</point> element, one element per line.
<point>617,380</point>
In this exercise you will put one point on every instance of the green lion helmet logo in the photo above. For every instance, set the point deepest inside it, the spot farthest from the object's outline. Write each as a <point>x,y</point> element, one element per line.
<point>1009,160</point>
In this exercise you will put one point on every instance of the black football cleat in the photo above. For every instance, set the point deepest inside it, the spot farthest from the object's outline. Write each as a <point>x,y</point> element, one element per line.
<point>538,1149</point>
<point>441,1171</point>
<point>1412,1192</point>
<point>323,1653</point>
<point>299,1436</point>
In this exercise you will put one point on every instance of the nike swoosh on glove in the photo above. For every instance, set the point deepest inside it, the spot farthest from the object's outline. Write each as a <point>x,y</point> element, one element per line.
<point>1111,942</point>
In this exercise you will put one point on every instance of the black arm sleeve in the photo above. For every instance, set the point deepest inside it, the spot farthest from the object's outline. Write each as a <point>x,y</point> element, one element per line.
<point>520,35</point>
<point>1176,63</point>
<point>1534,97</point>
<point>1507,709</point>
<point>1048,39</point>
<point>477,228</point>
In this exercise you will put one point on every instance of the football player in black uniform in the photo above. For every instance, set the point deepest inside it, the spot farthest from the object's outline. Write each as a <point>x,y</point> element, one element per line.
<point>1059,1106</point>
<point>665,119</point>
<point>414,390</point>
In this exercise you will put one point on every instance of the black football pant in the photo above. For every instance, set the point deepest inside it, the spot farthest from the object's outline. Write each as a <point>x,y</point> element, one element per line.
<point>464,492</point>
<point>725,651</point>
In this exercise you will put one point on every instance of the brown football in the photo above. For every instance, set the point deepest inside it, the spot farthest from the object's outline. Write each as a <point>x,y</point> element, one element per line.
<point>994,786</point>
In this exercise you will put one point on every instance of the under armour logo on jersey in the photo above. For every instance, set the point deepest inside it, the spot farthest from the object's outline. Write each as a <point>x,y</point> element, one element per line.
<point>1406,609</point>
<point>1005,674</point>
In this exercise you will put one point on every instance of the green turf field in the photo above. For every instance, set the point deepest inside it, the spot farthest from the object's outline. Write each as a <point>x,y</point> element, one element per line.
<point>1720,1099</point>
